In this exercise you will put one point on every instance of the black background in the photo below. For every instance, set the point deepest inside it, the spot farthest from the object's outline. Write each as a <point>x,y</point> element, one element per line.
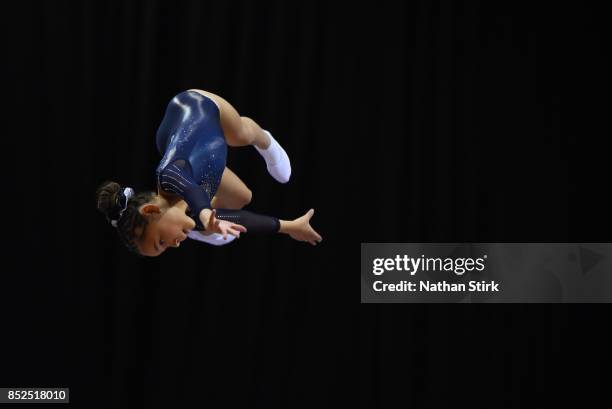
<point>405,122</point>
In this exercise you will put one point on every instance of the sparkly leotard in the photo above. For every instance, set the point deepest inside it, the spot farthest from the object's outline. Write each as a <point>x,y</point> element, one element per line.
<point>194,150</point>
<point>193,146</point>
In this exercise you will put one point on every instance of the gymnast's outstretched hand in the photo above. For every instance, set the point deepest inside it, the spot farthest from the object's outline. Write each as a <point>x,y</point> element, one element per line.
<point>224,227</point>
<point>301,230</point>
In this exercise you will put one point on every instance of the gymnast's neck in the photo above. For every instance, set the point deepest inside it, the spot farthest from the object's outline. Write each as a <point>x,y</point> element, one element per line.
<point>171,198</point>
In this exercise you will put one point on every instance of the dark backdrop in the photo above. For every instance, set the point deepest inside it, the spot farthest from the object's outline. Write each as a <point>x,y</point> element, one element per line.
<point>416,121</point>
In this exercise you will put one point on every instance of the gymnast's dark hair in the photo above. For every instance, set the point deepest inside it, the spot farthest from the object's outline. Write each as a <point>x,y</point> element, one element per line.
<point>111,201</point>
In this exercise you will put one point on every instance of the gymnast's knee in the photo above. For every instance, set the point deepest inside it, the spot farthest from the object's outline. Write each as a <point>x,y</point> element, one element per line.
<point>246,197</point>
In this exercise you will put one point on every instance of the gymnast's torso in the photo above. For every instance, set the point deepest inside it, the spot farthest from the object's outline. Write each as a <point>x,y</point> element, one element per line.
<point>193,148</point>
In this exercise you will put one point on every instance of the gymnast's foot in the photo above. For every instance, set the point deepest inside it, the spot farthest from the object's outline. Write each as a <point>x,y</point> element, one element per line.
<point>277,161</point>
<point>215,239</point>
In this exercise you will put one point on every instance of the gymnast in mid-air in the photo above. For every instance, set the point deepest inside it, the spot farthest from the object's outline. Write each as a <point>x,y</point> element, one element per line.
<point>198,196</point>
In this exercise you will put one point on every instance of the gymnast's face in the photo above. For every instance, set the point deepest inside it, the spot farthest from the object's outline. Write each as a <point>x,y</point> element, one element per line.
<point>168,227</point>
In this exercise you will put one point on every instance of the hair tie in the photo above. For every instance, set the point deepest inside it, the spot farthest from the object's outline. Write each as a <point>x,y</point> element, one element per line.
<point>124,197</point>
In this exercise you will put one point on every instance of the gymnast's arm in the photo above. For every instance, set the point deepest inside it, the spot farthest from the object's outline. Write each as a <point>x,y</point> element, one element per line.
<point>233,221</point>
<point>176,180</point>
<point>299,229</point>
<point>253,222</point>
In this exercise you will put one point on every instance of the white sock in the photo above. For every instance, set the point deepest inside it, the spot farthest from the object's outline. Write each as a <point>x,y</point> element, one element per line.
<point>216,239</point>
<point>277,160</point>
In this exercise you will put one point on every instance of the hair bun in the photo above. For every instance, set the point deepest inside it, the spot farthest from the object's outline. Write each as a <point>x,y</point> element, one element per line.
<point>107,198</point>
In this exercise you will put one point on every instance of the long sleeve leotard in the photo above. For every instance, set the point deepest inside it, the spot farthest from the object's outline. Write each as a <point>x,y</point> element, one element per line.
<point>194,152</point>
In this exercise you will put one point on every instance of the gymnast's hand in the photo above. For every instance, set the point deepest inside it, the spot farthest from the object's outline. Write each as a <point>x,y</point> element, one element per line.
<point>224,227</point>
<point>301,230</point>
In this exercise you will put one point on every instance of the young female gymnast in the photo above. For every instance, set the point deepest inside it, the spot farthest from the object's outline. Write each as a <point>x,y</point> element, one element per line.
<point>198,196</point>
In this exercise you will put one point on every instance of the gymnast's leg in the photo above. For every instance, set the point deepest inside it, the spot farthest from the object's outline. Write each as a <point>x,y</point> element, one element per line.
<point>232,193</point>
<point>243,131</point>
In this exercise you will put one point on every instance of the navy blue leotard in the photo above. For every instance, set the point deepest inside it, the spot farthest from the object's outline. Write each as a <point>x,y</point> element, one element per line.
<point>194,152</point>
